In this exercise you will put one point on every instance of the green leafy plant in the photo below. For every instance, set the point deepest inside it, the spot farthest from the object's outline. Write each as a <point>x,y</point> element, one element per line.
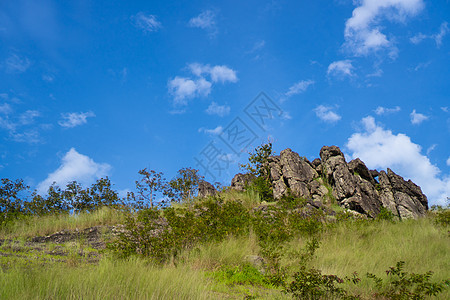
<point>441,215</point>
<point>385,214</point>
<point>312,284</point>
<point>258,165</point>
<point>240,275</point>
<point>403,285</point>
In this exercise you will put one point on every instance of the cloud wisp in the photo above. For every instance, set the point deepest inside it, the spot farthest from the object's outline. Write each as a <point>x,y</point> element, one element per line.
<point>326,114</point>
<point>206,21</point>
<point>341,69</point>
<point>215,131</point>
<point>19,127</point>
<point>16,64</point>
<point>299,87</point>
<point>70,120</point>
<point>437,37</point>
<point>379,148</point>
<point>146,22</point>
<point>386,111</point>
<point>75,167</point>
<point>417,118</point>
<point>216,109</point>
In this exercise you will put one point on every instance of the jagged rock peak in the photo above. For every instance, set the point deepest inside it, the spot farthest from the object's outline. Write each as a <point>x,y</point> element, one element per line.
<point>351,185</point>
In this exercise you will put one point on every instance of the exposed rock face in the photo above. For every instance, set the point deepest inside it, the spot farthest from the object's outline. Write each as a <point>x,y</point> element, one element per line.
<point>206,189</point>
<point>240,181</point>
<point>352,185</point>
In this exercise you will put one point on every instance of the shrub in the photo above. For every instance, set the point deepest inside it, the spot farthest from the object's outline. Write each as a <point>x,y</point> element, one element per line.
<point>312,284</point>
<point>441,215</point>
<point>385,214</point>
<point>239,275</point>
<point>162,234</point>
<point>402,285</point>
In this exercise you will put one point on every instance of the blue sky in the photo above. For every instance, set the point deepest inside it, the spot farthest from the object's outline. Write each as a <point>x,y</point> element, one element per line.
<point>105,88</point>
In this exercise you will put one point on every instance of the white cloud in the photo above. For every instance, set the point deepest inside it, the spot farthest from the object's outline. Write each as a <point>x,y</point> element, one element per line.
<point>222,74</point>
<point>215,131</point>
<point>444,108</point>
<point>184,88</point>
<point>14,125</point>
<point>362,31</point>
<point>431,148</point>
<point>70,120</point>
<point>444,30</point>
<point>422,66</point>
<point>220,110</point>
<point>448,161</point>
<point>437,37</point>
<point>28,136</point>
<point>326,114</point>
<point>418,38</point>
<point>146,22</point>
<point>205,20</point>
<point>5,109</point>
<point>384,110</point>
<point>75,167</point>
<point>381,149</point>
<point>299,87</point>
<point>341,68</point>
<point>28,117</point>
<point>17,64</point>
<point>217,73</point>
<point>417,118</point>
<point>48,78</point>
<point>286,115</point>
<point>257,46</point>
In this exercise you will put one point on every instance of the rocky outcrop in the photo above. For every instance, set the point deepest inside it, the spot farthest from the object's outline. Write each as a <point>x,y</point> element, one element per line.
<point>206,189</point>
<point>351,185</point>
<point>240,181</point>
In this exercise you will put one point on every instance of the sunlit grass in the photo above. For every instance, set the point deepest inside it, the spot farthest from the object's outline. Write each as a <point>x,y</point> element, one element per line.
<point>124,279</point>
<point>38,226</point>
<point>375,246</point>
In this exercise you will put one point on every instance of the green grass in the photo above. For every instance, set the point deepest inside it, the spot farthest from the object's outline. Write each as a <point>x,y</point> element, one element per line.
<point>375,246</point>
<point>39,226</point>
<point>127,279</point>
<point>213,270</point>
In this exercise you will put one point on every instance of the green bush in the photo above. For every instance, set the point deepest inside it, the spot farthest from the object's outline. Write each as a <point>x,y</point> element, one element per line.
<point>162,234</point>
<point>312,284</point>
<point>240,275</point>
<point>441,215</point>
<point>385,214</point>
<point>403,285</point>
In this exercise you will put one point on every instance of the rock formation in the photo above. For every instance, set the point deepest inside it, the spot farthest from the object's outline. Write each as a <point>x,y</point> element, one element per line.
<point>351,185</point>
<point>206,189</point>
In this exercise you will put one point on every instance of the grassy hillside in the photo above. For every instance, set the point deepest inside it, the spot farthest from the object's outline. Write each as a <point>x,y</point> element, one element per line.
<point>66,256</point>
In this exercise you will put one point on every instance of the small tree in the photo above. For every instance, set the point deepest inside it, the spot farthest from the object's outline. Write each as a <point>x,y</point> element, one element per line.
<point>102,193</point>
<point>184,186</point>
<point>258,160</point>
<point>150,183</point>
<point>78,198</point>
<point>11,205</point>
<point>258,165</point>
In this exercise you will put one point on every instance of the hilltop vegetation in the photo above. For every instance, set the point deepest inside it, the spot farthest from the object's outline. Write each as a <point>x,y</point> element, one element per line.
<point>88,243</point>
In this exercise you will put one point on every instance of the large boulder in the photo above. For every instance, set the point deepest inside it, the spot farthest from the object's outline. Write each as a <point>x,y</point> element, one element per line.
<point>241,181</point>
<point>206,189</point>
<point>290,172</point>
